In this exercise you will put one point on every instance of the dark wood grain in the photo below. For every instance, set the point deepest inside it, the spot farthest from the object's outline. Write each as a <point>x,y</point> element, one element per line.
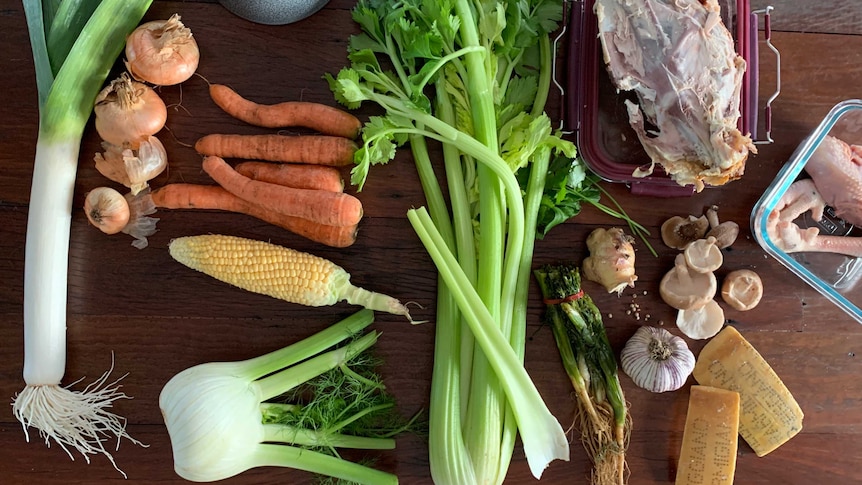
<point>157,318</point>
<point>833,17</point>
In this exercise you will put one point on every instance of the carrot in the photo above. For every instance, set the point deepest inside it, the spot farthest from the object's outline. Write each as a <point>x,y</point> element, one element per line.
<point>319,117</point>
<point>330,208</point>
<point>334,151</point>
<point>213,197</point>
<point>296,175</point>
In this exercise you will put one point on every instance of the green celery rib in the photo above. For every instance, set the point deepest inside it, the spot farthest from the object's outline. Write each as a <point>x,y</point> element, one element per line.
<point>486,406</point>
<point>541,434</point>
<point>311,461</point>
<point>462,224</point>
<point>450,462</point>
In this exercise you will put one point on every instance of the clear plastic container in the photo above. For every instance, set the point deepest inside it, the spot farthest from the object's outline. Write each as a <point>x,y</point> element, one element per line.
<point>594,109</point>
<point>834,275</point>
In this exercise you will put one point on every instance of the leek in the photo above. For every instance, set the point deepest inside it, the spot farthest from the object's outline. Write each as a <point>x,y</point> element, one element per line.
<point>75,43</point>
<point>221,421</point>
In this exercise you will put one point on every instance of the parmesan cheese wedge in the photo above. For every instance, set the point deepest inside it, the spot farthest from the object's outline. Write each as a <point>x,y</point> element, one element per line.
<point>708,455</point>
<point>769,415</point>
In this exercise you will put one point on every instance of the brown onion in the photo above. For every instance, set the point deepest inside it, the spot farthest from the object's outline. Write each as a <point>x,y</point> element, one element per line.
<point>107,209</point>
<point>162,52</point>
<point>129,112</point>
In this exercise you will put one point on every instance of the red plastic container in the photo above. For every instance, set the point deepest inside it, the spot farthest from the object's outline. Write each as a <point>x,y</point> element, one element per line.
<point>594,110</point>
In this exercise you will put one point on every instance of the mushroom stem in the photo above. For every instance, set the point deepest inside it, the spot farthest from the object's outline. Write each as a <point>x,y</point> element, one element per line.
<point>682,270</point>
<point>712,216</point>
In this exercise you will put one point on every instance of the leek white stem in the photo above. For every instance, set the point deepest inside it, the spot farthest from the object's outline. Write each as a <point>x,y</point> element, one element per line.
<point>46,260</point>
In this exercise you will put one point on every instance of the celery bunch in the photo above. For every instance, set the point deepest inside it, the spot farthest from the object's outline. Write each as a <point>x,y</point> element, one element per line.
<point>474,76</point>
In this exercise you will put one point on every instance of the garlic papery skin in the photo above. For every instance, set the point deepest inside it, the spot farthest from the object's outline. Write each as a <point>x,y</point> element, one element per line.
<point>657,360</point>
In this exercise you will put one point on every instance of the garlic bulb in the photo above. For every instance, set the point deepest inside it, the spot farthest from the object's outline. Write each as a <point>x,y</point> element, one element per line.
<point>657,360</point>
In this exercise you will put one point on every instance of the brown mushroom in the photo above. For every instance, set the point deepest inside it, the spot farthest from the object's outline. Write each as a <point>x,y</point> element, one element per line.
<point>742,289</point>
<point>678,231</point>
<point>683,288</point>
<point>703,255</point>
<point>725,233</point>
<point>611,262</point>
<point>702,322</point>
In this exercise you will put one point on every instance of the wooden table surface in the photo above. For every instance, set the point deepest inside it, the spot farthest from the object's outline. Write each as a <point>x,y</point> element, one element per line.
<point>157,317</point>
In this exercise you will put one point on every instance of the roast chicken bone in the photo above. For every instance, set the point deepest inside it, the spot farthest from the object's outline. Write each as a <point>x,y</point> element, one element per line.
<point>679,58</point>
<point>835,171</point>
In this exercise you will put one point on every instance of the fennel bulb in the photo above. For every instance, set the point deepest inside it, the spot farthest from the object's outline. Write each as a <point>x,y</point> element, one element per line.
<point>221,424</point>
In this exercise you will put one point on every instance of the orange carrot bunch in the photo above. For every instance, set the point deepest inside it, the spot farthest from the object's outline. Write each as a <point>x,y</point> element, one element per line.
<point>303,193</point>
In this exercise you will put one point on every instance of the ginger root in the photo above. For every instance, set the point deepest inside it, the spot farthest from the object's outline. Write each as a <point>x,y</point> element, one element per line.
<point>611,262</point>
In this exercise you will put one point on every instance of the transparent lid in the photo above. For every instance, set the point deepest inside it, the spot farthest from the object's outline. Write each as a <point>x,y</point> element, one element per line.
<point>824,174</point>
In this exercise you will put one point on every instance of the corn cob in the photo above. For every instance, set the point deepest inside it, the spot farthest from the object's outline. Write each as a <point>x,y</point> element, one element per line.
<point>276,271</point>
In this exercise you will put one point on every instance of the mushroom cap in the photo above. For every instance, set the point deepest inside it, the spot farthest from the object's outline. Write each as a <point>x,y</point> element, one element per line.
<point>701,323</point>
<point>703,255</point>
<point>683,288</point>
<point>678,231</point>
<point>742,289</point>
<point>725,234</point>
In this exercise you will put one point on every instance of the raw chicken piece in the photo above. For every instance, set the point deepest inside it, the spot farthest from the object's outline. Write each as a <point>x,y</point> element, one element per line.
<point>679,58</point>
<point>835,169</point>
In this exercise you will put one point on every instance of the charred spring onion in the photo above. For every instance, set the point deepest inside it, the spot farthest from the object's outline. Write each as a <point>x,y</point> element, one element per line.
<point>602,413</point>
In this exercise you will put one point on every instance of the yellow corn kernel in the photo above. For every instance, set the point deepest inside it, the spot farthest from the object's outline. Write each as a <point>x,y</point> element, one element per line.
<point>276,271</point>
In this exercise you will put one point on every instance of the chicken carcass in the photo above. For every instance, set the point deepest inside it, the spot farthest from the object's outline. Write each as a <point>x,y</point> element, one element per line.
<point>835,169</point>
<point>679,58</point>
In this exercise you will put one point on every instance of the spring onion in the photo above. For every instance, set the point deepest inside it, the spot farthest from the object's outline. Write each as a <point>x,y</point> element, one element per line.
<point>223,418</point>
<point>589,361</point>
<point>74,45</point>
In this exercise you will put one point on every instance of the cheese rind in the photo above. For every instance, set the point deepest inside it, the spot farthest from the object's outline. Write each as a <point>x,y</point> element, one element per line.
<point>708,454</point>
<point>769,415</point>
